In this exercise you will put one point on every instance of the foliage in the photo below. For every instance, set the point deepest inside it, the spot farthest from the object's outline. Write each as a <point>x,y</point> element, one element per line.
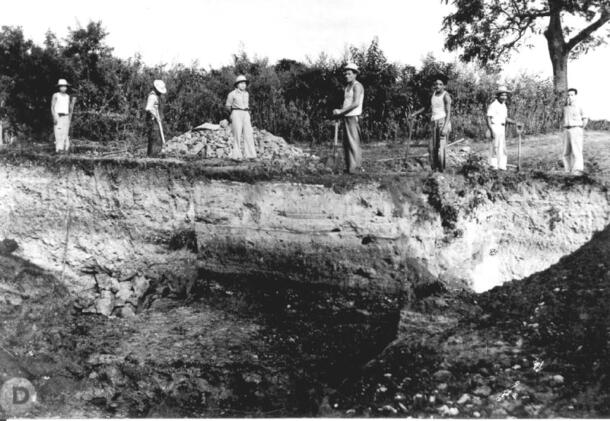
<point>490,30</point>
<point>289,98</point>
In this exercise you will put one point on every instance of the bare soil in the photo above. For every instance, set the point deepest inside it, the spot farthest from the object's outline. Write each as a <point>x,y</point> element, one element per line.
<point>259,346</point>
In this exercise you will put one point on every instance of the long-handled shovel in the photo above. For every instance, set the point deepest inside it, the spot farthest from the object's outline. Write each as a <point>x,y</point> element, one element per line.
<point>161,131</point>
<point>519,131</point>
<point>335,142</point>
<point>72,104</point>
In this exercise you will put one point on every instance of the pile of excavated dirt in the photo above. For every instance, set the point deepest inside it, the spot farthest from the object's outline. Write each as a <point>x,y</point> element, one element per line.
<point>214,141</point>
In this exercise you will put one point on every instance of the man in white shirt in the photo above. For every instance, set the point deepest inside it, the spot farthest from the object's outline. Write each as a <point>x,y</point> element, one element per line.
<point>574,122</point>
<point>353,97</point>
<point>60,110</point>
<point>154,119</point>
<point>497,117</point>
<point>238,104</point>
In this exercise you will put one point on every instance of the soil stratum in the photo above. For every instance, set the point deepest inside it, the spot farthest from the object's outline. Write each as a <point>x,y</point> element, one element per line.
<point>189,287</point>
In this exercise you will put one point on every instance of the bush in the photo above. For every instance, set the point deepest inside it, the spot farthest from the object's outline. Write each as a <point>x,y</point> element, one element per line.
<point>292,99</point>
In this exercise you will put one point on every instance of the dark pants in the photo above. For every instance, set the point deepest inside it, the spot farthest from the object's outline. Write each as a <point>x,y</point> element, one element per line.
<point>155,142</point>
<point>351,144</point>
<point>437,146</point>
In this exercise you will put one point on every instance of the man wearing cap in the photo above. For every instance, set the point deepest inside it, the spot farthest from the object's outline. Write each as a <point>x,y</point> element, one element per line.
<point>60,110</point>
<point>440,107</point>
<point>497,117</point>
<point>154,121</point>
<point>238,105</point>
<point>353,97</point>
<point>574,122</point>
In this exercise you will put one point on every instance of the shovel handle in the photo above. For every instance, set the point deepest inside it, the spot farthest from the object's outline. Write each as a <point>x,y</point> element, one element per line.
<point>336,138</point>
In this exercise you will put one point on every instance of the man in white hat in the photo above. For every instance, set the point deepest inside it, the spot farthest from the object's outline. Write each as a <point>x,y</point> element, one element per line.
<point>60,110</point>
<point>353,97</point>
<point>154,119</point>
<point>238,105</point>
<point>497,117</point>
<point>574,122</point>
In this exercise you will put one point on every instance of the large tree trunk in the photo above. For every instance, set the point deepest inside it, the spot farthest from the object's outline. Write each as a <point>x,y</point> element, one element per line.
<point>559,59</point>
<point>558,49</point>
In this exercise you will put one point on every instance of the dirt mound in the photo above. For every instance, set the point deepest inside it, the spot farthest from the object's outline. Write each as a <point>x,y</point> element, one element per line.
<point>214,141</point>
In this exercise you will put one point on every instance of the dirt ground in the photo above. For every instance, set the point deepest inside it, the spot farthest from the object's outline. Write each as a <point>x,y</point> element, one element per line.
<point>232,347</point>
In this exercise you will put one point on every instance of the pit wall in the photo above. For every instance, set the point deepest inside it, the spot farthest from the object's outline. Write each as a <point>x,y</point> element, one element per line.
<point>91,225</point>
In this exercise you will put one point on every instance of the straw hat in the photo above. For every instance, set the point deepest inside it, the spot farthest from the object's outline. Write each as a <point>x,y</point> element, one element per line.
<point>240,79</point>
<point>352,67</point>
<point>160,86</point>
<point>62,82</point>
<point>502,89</point>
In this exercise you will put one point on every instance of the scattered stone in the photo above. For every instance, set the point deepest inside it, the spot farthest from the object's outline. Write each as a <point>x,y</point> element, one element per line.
<point>482,391</point>
<point>140,286</point>
<point>124,292</point>
<point>442,375</point>
<point>105,304</point>
<point>400,397</point>
<point>463,399</point>
<point>476,414</point>
<point>447,411</point>
<point>557,379</point>
<point>106,282</point>
<point>252,378</point>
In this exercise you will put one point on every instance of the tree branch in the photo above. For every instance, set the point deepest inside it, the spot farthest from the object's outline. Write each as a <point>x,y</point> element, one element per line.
<point>582,35</point>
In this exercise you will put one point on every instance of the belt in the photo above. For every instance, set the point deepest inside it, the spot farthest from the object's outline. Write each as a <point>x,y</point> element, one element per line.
<point>240,109</point>
<point>62,115</point>
<point>570,127</point>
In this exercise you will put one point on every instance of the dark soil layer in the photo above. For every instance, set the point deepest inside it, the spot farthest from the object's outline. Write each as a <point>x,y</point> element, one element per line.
<point>533,348</point>
<point>236,348</point>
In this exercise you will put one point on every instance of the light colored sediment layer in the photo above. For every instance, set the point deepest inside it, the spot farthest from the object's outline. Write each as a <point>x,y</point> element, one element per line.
<point>68,220</point>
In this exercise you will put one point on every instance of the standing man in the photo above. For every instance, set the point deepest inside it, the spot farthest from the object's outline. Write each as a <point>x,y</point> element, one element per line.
<point>574,123</point>
<point>497,117</point>
<point>154,121</point>
<point>440,106</point>
<point>238,105</point>
<point>60,110</point>
<point>352,108</point>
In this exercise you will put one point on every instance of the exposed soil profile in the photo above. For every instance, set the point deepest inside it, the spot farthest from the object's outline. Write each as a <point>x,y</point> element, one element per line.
<point>172,287</point>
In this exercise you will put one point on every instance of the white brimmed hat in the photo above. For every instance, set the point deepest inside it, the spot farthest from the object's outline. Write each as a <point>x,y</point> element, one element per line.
<point>160,86</point>
<point>62,82</point>
<point>503,89</point>
<point>240,79</point>
<point>352,67</point>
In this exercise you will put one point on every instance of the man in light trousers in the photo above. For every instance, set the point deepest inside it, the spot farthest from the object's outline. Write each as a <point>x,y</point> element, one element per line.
<point>60,110</point>
<point>353,97</point>
<point>574,123</point>
<point>497,117</point>
<point>243,134</point>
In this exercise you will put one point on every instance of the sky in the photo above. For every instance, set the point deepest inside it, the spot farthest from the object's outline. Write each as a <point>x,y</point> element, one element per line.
<point>210,31</point>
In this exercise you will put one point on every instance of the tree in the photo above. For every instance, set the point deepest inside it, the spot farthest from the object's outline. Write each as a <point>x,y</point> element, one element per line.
<point>489,30</point>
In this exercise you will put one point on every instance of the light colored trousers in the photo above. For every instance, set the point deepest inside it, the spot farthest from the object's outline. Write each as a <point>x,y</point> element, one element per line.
<point>243,134</point>
<point>573,161</point>
<point>351,144</point>
<point>61,129</point>
<point>497,153</point>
